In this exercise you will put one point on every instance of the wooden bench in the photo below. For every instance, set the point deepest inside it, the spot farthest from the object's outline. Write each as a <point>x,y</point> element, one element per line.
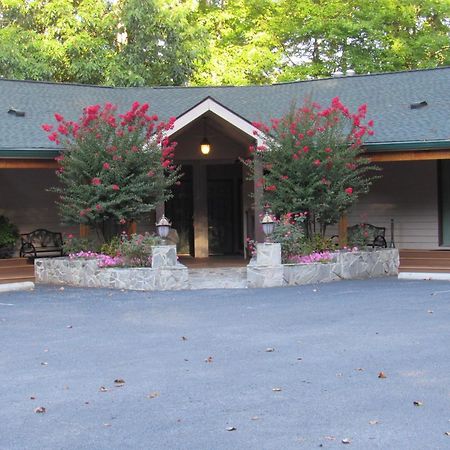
<point>365,232</point>
<point>41,242</point>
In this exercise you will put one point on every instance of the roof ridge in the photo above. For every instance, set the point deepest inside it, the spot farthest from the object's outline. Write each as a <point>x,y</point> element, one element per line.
<point>360,75</point>
<point>281,83</point>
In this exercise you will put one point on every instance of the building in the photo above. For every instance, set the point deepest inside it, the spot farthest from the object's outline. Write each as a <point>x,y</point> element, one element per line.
<point>212,210</point>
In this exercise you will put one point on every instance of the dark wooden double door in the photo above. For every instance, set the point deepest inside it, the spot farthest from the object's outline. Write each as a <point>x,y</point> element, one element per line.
<point>224,210</point>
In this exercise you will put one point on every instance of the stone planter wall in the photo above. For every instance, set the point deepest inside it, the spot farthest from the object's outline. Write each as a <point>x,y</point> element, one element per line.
<point>86,273</point>
<point>347,266</point>
<point>167,274</point>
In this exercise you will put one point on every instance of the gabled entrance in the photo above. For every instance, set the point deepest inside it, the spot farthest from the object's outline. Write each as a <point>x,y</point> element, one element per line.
<point>212,208</point>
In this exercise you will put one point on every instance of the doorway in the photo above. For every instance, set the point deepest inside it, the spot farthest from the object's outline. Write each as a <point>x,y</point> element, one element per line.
<point>224,200</point>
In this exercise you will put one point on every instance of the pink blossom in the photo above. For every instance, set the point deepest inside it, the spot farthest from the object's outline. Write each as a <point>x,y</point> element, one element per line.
<point>59,117</point>
<point>115,187</point>
<point>96,181</point>
<point>106,166</point>
<point>317,162</point>
<point>349,190</point>
<point>47,127</point>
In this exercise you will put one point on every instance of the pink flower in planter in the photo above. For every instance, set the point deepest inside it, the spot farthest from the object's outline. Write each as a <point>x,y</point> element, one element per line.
<point>96,181</point>
<point>106,166</point>
<point>115,187</point>
<point>349,190</point>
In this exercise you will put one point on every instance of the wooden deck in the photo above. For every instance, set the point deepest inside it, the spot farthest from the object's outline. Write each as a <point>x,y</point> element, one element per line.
<point>434,261</point>
<point>16,270</point>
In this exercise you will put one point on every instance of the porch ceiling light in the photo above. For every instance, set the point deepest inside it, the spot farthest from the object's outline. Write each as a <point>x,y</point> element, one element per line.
<point>163,227</point>
<point>268,225</point>
<point>205,146</point>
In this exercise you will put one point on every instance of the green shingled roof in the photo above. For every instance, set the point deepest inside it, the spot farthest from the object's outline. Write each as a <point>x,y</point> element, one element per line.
<point>389,97</point>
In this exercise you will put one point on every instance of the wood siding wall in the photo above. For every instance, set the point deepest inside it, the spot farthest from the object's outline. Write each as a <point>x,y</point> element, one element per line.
<point>24,199</point>
<point>408,193</point>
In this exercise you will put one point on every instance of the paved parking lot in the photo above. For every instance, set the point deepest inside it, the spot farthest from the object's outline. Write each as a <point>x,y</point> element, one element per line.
<point>281,368</point>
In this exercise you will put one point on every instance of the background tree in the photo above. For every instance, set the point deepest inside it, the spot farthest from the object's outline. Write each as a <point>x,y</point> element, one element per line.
<point>312,164</point>
<point>215,42</point>
<point>114,168</point>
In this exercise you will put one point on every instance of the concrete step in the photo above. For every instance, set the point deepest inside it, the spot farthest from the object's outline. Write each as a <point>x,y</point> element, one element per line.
<point>16,279</point>
<point>424,269</point>
<point>433,254</point>
<point>218,278</point>
<point>15,262</point>
<point>5,271</point>
<point>16,270</point>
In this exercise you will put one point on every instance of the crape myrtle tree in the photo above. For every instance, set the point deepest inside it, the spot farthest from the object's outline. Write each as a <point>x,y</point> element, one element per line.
<point>114,168</point>
<point>311,162</point>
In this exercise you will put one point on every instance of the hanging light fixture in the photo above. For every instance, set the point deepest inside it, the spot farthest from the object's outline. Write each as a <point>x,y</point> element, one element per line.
<point>205,146</point>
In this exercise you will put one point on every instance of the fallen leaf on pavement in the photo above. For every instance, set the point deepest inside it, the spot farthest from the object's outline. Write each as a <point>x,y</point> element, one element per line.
<point>119,381</point>
<point>346,441</point>
<point>40,410</point>
<point>254,418</point>
<point>231,429</point>
<point>209,359</point>
<point>69,326</point>
<point>153,395</point>
<point>277,389</point>
<point>447,433</point>
<point>270,349</point>
<point>44,363</point>
<point>417,403</point>
<point>103,389</point>
<point>184,338</point>
<point>382,375</point>
<point>373,422</point>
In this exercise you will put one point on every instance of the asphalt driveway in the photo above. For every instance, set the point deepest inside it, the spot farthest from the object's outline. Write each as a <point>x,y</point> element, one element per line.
<point>281,368</point>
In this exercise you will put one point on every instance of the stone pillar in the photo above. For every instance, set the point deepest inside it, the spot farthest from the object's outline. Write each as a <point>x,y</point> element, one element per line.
<point>164,256</point>
<point>84,230</point>
<point>201,248</point>
<point>258,193</point>
<point>343,224</point>
<point>267,270</point>
<point>132,227</point>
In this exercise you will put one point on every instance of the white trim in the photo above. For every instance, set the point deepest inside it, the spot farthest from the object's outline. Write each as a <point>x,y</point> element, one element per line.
<point>424,276</point>
<point>19,286</point>
<point>210,104</point>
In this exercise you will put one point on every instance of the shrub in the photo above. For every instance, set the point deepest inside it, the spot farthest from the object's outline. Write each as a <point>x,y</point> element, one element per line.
<point>72,245</point>
<point>9,232</point>
<point>289,233</point>
<point>115,168</point>
<point>311,160</point>
<point>136,250</point>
